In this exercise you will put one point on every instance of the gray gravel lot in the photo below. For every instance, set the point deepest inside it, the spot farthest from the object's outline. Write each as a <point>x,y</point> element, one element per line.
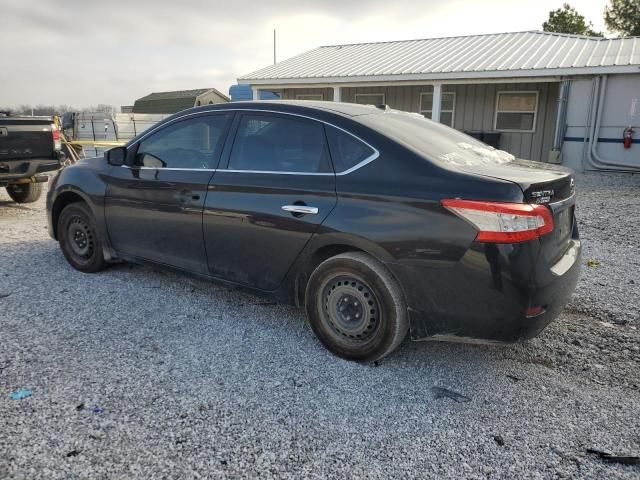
<point>137,373</point>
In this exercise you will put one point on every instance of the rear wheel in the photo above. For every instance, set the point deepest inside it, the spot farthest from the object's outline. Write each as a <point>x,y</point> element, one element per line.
<point>25,192</point>
<point>356,307</point>
<point>79,239</point>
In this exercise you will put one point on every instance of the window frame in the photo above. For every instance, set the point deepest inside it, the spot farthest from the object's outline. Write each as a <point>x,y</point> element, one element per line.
<point>535,111</point>
<point>134,145</point>
<point>369,158</point>
<point>308,96</point>
<point>361,94</point>
<point>453,111</point>
<point>229,137</point>
<point>267,113</point>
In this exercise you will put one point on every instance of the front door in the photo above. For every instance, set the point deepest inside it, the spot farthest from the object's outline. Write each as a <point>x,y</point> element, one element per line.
<point>153,207</point>
<point>261,210</point>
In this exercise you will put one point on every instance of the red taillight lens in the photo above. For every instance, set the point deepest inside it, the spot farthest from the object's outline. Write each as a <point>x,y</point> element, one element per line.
<point>503,222</point>
<point>55,132</point>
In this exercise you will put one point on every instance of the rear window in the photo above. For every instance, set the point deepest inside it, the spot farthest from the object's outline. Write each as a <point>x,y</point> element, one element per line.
<point>433,140</point>
<point>346,150</point>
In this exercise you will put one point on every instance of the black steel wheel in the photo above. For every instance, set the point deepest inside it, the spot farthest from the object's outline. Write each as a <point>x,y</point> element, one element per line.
<point>350,307</point>
<point>356,307</point>
<point>79,239</point>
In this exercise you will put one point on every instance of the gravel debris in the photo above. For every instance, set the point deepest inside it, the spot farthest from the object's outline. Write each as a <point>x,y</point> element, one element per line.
<point>138,373</point>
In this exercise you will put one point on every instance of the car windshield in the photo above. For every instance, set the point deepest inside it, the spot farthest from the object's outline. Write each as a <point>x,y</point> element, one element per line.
<point>433,140</point>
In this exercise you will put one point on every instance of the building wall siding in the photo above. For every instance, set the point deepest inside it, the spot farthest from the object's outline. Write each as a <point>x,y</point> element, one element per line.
<point>291,93</point>
<point>474,110</point>
<point>621,108</point>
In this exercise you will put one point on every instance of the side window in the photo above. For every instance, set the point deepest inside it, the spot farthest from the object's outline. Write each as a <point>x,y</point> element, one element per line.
<point>346,150</point>
<point>191,143</point>
<point>274,143</point>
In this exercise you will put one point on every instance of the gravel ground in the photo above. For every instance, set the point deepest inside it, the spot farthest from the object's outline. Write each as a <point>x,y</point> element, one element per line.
<point>140,373</point>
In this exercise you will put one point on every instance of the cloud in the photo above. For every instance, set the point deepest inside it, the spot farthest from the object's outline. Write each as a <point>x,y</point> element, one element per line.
<point>83,52</point>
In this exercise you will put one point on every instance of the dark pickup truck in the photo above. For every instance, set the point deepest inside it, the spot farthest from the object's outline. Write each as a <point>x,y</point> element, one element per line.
<point>29,147</point>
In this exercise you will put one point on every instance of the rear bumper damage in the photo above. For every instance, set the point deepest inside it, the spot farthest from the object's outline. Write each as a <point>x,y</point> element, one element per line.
<point>494,294</point>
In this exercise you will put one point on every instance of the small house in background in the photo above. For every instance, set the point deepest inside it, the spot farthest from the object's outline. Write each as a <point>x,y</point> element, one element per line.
<point>172,102</point>
<point>126,109</point>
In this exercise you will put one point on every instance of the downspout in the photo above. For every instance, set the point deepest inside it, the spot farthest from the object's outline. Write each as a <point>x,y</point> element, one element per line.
<point>560,128</point>
<point>561,115</point>
<point>594,159</point>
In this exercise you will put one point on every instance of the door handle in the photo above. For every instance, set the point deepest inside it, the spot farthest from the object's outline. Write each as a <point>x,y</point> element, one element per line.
<point>303,209</point>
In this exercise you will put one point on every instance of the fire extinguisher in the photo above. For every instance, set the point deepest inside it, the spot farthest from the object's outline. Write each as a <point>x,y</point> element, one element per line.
<point>627,137</point>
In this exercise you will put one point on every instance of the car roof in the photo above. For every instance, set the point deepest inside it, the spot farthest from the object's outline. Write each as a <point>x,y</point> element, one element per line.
<point>340,108</point>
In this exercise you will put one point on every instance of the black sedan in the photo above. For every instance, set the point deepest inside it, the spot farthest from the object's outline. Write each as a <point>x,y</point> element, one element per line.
<point>377,221</point>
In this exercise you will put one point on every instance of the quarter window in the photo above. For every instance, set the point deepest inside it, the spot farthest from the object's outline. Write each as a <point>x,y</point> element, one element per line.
<point>447,106</point>
<point>346,150</point>
<point>192,143</point>
<point>270,143</point>
<point>370,98</point>
<point>516,111</point>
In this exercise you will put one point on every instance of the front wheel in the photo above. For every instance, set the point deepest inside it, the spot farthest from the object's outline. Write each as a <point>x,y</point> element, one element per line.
<point>79,239</point>
<point>25,192</point>
<point>356,307</point>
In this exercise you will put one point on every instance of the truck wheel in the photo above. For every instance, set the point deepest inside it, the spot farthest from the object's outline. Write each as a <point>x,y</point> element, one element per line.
<point>356,308</point>
<point>79,239</point>
<point>25,192</point>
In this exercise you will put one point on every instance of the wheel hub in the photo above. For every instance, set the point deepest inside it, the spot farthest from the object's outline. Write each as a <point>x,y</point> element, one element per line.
<point>80,238</point>
<point>350,308</point>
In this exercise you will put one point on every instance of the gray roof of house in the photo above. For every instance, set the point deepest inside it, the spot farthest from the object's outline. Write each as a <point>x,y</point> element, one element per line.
<point>493,55</point>
<point>171,102</point>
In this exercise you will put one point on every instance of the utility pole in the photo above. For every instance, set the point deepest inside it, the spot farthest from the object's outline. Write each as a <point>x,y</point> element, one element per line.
<point>274,46</point>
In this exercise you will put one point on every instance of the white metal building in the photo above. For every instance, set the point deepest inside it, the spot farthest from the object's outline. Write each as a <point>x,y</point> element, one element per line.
<point>544,96</point>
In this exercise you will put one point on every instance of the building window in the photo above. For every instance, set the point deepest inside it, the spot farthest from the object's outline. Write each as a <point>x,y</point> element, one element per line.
<point>310,96</point>
<point>370,98</point>
<point>516,111</point>
<point>447,106</point>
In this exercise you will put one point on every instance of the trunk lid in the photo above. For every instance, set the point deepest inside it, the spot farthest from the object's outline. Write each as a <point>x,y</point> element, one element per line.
<point>540,182</point>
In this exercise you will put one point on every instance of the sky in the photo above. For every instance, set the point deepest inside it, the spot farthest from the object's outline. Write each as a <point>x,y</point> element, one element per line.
<point>86,52</point>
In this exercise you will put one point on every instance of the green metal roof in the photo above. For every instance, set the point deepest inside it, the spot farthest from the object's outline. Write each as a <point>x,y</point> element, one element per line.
<point>171,102</point>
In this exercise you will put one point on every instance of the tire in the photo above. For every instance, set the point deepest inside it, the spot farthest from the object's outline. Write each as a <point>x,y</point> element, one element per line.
<point>79,239</point>
<point>25,192</point>
<point>356,307</point>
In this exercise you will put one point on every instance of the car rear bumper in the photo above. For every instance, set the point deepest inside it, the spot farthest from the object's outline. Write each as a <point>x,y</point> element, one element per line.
<point>485,296</point>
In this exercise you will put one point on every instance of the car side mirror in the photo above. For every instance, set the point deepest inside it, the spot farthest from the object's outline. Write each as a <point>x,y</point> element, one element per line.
<point>116,156</point>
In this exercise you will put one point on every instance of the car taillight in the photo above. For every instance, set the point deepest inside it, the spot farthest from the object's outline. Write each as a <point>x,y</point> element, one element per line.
<point>55,132</point>
<point>503,222</point>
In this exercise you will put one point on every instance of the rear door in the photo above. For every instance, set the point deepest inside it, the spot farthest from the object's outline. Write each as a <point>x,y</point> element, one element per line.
<point>277,186</point>
<point>153,207</point>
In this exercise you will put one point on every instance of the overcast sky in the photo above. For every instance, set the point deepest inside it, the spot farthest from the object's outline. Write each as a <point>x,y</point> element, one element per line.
<point>85,52</point>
